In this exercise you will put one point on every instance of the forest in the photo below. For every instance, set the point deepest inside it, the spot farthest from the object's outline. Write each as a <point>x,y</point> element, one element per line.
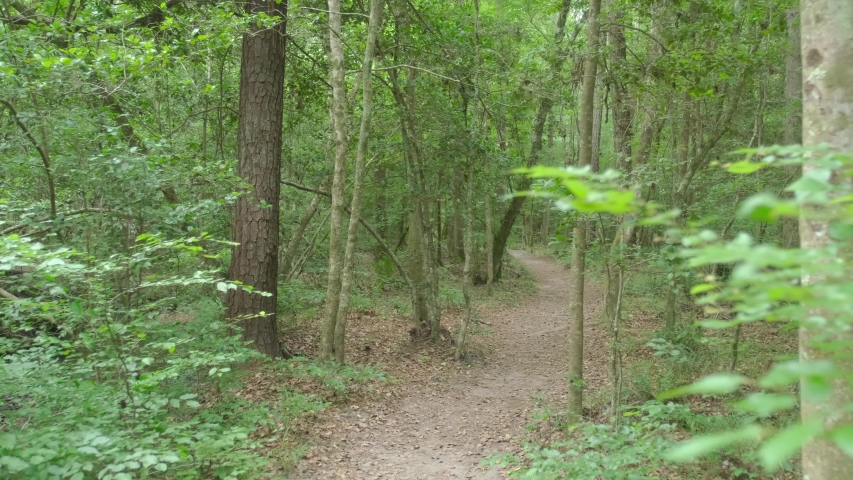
<point>426,239</point>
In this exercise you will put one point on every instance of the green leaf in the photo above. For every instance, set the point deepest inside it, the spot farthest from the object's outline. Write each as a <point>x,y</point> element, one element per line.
<point>715,384</point>
<point>192,404</point>
<point>841,231</point>
<point>744,167</point>
<point>174,402</point>
<point>14,464</point>
<point>7,441</point>
<point>766,404</point>
<point>786,443</point>
<point>702,287</point>
<point>222,286</point>
<point>77,476</point>
<point>148,460</point>
<point>843,437</point>
<point>699,446</point>
<point>161,467</point>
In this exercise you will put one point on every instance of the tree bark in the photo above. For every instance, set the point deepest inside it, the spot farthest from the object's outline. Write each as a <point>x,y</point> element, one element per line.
<point>466,270</point>
<point>827,52</point>
<point>254,260</point>
<point>336,226</point>
<point>793,114</point>
<point>578,263</point>
<point>376,7</point>
<point>545,104</point>
<point>623,116</point>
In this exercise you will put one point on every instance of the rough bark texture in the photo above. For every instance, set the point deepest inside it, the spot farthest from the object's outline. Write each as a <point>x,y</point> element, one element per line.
<point>376,7</point>
<point>336,226</point>
<point>827,52</point>
<point>254,261</point>
<point>578,265</point>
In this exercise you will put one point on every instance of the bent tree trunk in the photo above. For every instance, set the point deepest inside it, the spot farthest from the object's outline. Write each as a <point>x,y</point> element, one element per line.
<point>545,104</point>
<point>827,43</point>
<point>254,260</point>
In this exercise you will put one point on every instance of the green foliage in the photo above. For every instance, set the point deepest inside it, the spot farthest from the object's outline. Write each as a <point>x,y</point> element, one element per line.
<point>630,451</point>
<point>94,383</point>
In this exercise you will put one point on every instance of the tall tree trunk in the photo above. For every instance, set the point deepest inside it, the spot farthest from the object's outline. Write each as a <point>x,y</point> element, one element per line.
<point>623,116</point>
<point>376,7</point>
<point>578,265</point>
<point>793,114</point>
<point>545,104</point>
<point>827,52</point>
<point>254,260</point>
<point>336,226</point>
<point>425,293</point>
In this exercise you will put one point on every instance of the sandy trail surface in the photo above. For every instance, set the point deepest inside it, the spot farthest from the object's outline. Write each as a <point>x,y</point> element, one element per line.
<point>444,429</point>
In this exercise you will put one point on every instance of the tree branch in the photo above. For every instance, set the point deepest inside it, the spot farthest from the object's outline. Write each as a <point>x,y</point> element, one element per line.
<point>71,213</point>
<point>45,158</point>
<point>367,226</point>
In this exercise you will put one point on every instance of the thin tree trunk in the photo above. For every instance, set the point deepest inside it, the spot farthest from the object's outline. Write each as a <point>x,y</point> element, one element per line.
<point>827,37</point>
<point>545,104</point>
<point>43,153</point>
<point>300,263</point>
<point>578,264</point>
<point>615,371</point>
<point>336,227</point>
<point>296,238</point>
<point>466,270</point>
<point>376,7</point>
<point>622,136</point>
<point>793,115</point>
<point>254,260</point>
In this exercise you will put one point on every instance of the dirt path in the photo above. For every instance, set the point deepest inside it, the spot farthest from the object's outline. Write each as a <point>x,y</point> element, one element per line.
<point>444,429</point>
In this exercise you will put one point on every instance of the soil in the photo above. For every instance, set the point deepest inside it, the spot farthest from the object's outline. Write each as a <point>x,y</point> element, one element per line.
<point>445,425</point>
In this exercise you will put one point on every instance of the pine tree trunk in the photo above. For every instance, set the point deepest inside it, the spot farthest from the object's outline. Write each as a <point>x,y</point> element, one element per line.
<point>578,264</point>
<point>827,52</point>
<point>254,261</point>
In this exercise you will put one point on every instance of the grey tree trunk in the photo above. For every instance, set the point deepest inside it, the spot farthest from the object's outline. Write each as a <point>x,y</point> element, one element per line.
<point>466,270</point>
<point>578,264</point>
<point>827,52</point>
<point>336,226</point>
<point>376,7</point>
<point>793,114</point>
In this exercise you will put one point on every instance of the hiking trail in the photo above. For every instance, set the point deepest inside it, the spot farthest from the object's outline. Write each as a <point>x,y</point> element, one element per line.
<point>445,429</point>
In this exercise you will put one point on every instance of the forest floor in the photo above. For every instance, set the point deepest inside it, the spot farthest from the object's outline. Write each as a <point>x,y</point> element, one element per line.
<point>443,425</point>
